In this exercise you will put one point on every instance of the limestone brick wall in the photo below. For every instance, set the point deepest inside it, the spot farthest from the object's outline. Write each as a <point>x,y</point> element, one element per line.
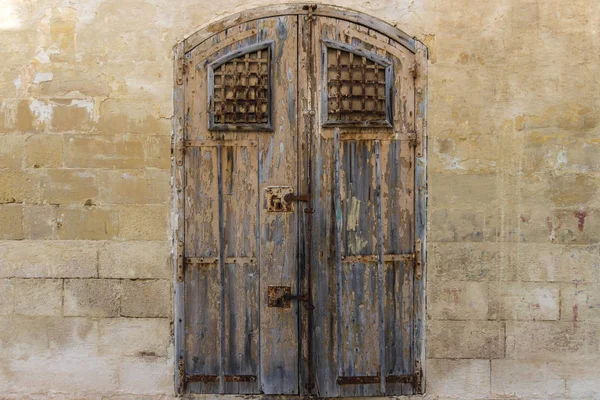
<point>514,176</point>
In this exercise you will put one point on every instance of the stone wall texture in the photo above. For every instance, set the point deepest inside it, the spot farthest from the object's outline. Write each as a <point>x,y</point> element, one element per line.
<point>514,182</point>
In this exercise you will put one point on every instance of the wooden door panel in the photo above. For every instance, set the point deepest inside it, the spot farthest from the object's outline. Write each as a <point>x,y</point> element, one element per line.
<point>235,249</point>
<point>363,241</point>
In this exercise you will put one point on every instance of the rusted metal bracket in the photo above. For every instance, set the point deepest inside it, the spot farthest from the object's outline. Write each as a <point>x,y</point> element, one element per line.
<point>418,259</point>
<point>281,297</point>
<point>358,380</point>
<point>180,261</point>
<point>418,376</point>
<point>179,149</point>
<point>412,69</point>
<point>215,378</point>
<point>413,379</point>
<point>181,375</point>
<point>296,197</point>
<point>180,69</point>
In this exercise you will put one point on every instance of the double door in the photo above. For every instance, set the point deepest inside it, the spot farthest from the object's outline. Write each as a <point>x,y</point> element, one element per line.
<point>300,262</point>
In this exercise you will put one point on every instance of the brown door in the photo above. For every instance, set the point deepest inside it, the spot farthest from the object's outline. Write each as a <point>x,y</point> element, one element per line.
<point>299,211</point>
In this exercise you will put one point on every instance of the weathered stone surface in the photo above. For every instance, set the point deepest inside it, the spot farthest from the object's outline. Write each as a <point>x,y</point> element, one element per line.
<point>552,340</point>
<point>92,297</point>
<point>134,187</point>
<point>137,259</point>
<point>11,221</point>
<point>146,375</point>
<point>465,379</point>
<point>458,300</point>
<point>103,151</point>
<point>11,151</point>
<point>580,302</point>
<point>465,339</point>
<point>38,296</point>
<point>17,186</point>
<point>57,259</point>
<point>134,336</point>
<point>7,297</point>
<point>524,301</point>
<point>44,151</point>
<point>146,298</point>
<point>533,379</point>
<point>69,186</point>
<point>86,223</point>
<point>40,222</point>
<point>147,222</point>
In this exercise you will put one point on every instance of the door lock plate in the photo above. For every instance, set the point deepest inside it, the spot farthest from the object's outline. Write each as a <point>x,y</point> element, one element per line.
<point>279,296</point>
<point>275,196</point>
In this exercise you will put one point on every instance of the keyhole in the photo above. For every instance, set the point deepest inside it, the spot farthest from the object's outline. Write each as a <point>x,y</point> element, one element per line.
<point>276,203</point>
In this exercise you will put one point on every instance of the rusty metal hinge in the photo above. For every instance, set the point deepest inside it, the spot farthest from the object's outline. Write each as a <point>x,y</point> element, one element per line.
<point>418,259</point>
<point>412,69</point>
<point>180,261</point>
<point>181,375</point>
<point>418,377</point>
<point>181,70</point>
<point>296,197</point>
<point>310,8</point>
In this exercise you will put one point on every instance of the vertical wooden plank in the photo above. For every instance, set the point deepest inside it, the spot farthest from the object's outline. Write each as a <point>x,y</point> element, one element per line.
<point>359,319</point>
<point>380,272</point>
<point>202,281</point>
<point>324,276</point>
<point>221,263</point>
<point>240,197</point>
<point>421,203</point>
<point>339,220</point>
<point>178,216</point>
<point>278,241</point>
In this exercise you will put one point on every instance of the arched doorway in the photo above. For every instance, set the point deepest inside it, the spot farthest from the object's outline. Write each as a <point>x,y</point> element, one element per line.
<point>300,205</point>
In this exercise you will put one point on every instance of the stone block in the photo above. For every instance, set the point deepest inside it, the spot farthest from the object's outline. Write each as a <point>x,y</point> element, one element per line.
<point>86,223</point>
<point>69,186</point>
<point>146,375</point>
<point>465,339</point>
<point>40,222</point>
<point>448,190</point>
<point>462,262</point>
<point>78,336</point>
<point>458,300</point>
<point>42,259</point>
<point>104,151</point>
<point>131,187</point>
<point>11,221</point>
<point>92,297</point>
<point>135,336</point>
<point>139,260</point>
<point>7,297</point>
<point>580,302</point>
<point>26,337</point>
<point>38,297</point>
<point>157,151</point>
<point>146,298</point>
<point>464,379</point>
<point>72,115</point>
<point>11,151</point>
<point>44,151</point>
<point>582,378</point>
<point>524,301</point>
<point>552,340</point>
<point>19,186</point>
<point>463,225</point>
<point>527,379</point>
<point>143,222</point>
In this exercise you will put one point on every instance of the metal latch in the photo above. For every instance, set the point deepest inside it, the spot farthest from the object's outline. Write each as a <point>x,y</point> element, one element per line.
<point>276,198</point>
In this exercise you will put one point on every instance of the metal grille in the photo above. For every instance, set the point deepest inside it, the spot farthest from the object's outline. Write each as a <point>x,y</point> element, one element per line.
<point>240,90</point>
<point>356,88</point>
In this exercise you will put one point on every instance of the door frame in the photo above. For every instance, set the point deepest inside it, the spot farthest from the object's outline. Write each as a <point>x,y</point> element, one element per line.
<point>204,33</point>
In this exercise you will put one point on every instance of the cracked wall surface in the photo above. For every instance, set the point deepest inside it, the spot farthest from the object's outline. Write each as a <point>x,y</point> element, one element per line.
<point>514,207</point>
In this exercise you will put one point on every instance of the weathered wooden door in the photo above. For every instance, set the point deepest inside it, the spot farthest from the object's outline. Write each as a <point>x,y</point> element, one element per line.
<point>299,233</point>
